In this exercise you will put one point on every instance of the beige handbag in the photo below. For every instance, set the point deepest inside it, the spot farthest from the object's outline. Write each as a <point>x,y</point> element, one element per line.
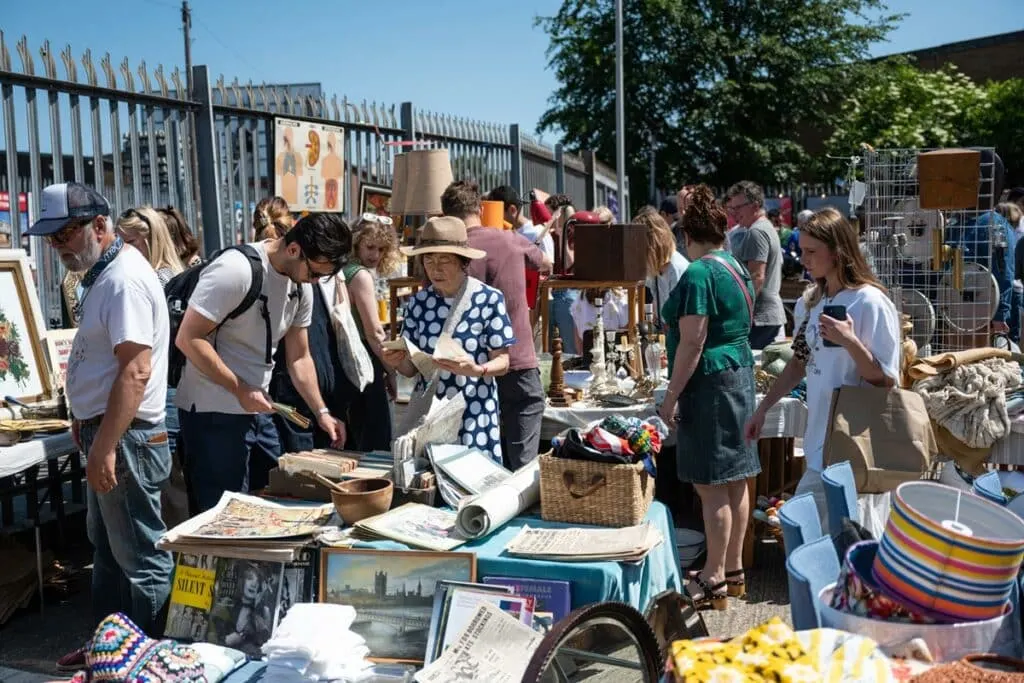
<point>885,434</point>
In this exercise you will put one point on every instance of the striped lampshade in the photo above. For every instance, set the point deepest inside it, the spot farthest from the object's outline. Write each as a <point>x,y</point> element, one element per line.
<point>947,554</point>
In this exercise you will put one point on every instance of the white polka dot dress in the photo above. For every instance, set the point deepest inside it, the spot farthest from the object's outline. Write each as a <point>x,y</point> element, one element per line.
<point>484,327</point>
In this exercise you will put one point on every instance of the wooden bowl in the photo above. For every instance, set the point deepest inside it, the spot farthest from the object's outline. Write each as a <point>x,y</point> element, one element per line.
<point>362,498</point>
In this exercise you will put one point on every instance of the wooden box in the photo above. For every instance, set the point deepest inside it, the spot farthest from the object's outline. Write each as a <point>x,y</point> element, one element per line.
<point>615,251</point>
<point>949,178</point>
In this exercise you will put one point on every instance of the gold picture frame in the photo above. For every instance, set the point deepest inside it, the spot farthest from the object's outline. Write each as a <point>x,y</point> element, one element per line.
<point>24,374</point>
<point>392,589</point>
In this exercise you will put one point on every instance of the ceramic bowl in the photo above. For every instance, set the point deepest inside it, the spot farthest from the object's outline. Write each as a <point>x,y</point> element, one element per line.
<point>362,498</point>
<point>690,544</point>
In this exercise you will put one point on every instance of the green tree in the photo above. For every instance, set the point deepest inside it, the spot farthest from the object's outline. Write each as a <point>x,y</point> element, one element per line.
<point>1000,124</point>
<point>903,106</point>
<point>724,88</point>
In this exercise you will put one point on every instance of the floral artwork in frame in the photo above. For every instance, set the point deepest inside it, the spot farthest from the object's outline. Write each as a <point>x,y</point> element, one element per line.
<point>24,375</point>
<point>375,199</point>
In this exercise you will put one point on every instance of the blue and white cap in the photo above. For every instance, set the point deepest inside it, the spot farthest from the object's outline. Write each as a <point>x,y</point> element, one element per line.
<point>64,201</point>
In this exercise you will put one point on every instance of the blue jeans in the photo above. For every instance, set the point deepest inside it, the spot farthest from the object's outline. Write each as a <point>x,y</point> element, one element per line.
<point>129,573</point>
<point>226,452</point>
<point>1016,305</point>
<point>561,317</point>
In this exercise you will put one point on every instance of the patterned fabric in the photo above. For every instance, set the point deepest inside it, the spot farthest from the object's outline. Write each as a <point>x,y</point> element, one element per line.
<point>770,652</point>
<point>121,653</point>
<point>801,349</point>
<point>856,591</point>
<point>484,327</point>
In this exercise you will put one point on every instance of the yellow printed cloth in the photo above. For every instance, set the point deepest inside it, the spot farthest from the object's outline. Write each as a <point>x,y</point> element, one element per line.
<point>773,652</point>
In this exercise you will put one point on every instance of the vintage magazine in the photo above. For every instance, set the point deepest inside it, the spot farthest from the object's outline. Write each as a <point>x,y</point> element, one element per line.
<point>241,517</point>
<point>470,468</point>
<point>494,647</point>
<point>414,524</point>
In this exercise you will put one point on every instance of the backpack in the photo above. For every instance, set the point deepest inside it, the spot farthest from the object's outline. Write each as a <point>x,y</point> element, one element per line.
<point>178,291</point>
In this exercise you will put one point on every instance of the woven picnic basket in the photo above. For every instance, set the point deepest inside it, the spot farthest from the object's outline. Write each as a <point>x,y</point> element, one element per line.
<point>586,492</point>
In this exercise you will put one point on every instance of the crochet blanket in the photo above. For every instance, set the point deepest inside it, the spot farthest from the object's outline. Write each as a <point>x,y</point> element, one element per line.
<point>970,400</point>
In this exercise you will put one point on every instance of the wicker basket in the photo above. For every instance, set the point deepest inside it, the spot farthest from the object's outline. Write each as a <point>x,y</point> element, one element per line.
<point>585,492</point>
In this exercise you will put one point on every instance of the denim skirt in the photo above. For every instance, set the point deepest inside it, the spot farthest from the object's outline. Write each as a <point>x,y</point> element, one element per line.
<point>713,410</point>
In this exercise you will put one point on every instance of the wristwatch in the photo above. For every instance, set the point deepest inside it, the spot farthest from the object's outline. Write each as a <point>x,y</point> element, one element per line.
<point>324,411</point>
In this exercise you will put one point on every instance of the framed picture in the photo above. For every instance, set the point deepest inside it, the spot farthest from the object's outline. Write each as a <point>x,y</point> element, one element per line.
<point>23,372</point>
<point>58,349</point>
<point>309,165</point>
<point>392,592</point>
<point>374,199</point>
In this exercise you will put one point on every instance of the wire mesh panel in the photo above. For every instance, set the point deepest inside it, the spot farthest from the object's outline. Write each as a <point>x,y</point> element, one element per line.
<point>943,269</point>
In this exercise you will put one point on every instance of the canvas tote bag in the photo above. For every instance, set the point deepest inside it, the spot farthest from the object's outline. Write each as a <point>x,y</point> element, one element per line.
<point>355,359</point>
<point>420,402</point>
<point>885,434</point>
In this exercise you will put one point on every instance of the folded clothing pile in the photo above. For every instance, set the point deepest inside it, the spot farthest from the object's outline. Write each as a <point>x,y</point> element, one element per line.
<point>615,440</point>
<point>314,643</point>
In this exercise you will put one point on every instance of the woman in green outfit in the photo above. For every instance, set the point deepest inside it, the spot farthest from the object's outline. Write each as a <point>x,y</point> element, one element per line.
<point>711,394</point>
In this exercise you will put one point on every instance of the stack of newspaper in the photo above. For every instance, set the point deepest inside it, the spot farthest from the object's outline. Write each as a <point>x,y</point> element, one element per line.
<point>414,524</point>
<point>591,544</point>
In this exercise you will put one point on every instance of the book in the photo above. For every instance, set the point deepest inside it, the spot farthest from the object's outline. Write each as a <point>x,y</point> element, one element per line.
<point>552,596</point>
<point>236,602</point>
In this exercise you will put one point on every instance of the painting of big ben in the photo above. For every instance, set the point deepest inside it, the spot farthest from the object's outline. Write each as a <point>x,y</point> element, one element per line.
<point>308,165</point>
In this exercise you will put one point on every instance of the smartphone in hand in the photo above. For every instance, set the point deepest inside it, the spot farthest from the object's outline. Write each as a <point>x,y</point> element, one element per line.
<point>837,312</point>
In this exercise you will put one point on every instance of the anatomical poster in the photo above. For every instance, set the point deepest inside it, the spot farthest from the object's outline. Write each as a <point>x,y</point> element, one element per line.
<point>309,165</point>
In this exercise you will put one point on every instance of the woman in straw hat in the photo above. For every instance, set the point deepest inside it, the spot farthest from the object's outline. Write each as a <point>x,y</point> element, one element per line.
<point>464,324</point>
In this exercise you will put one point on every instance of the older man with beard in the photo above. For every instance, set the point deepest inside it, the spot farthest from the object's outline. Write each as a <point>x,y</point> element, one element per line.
<point>116,386</point>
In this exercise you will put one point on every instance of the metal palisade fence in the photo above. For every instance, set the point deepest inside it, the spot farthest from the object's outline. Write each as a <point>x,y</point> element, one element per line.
<point>132,133</point>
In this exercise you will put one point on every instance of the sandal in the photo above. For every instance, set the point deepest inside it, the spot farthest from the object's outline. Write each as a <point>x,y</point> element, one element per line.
<point>709,596</point>
<point>735,584</point>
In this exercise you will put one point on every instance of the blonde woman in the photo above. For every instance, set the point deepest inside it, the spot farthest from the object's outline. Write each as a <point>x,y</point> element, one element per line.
<point>665,265</point>
<point>271,219</point>
<point>144,228</point>
<point>374,253</point>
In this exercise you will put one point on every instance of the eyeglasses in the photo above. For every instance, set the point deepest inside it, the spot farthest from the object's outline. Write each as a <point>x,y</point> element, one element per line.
<point>438,260</point>
<point>736,207</point>
<point>375,218</point>
<point>67,233</point>
<point>317,276</point>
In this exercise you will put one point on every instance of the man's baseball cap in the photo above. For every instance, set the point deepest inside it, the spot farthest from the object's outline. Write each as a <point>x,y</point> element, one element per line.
<point>61,202</point>
<point>505,194</point>
<point>669,205</point>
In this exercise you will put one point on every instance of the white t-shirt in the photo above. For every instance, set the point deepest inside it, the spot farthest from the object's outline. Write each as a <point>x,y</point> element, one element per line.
<point>241,342</point>
<point>125,304</point>
<point>876,324</point>
<point>532,232</point>
<point>662,285</point>
<point>615,313</point>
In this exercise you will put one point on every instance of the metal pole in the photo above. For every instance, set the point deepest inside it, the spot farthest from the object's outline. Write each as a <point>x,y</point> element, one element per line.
<point>186,23</point>
<point>620,117</point>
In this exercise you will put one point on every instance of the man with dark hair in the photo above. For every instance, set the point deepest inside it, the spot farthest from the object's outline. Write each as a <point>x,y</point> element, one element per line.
<point>520,221</point>
<point>759,249</point>
<point>520,393</point>
<point>225,412</point>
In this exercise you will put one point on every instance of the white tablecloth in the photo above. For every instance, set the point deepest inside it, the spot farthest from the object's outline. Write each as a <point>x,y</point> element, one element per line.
<point>17,458</point>
<point>786,419</point>
<point>1010,449</point>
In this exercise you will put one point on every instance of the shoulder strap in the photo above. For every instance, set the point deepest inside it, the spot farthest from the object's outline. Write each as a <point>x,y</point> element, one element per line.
<point>255,293</point>
<point>739,281</point>
<point>463,300</point>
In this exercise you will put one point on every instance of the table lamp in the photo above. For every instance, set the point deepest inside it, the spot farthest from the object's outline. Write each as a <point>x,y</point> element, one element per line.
<point>398,193</point>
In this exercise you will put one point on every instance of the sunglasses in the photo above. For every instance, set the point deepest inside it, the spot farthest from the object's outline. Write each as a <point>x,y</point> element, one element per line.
<point>67,233</point>
<point>374,218</point>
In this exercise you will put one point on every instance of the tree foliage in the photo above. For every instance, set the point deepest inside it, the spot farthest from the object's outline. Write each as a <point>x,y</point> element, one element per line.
<point>903,106</point>
<point>724,88</point>
<point>1000,124</point>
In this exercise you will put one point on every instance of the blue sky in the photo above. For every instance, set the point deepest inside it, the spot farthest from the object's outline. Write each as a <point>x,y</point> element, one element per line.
<point>482,59</point>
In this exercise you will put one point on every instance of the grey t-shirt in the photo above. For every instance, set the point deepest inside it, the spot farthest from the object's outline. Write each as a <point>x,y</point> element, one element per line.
<point>761,243</point>
<point>241,342</point>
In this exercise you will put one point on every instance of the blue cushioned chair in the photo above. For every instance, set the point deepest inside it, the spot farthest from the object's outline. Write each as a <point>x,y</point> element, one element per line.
<point>800,521</point>
<point>840,495</point>
<point>989,487</point>
<point>810,567</point>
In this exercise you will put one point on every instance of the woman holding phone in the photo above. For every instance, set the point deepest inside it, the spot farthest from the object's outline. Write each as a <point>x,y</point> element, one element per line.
<point>850,335</point>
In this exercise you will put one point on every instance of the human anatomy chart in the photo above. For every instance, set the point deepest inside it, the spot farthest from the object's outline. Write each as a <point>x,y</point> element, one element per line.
<point>309,165</point>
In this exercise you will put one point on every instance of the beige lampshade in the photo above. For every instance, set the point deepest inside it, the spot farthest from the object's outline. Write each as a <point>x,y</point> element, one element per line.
<point>398,185</point>
<point>428,173</point>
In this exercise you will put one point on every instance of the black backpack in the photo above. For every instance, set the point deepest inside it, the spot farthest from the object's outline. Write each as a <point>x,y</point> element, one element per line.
<point>178,291</point>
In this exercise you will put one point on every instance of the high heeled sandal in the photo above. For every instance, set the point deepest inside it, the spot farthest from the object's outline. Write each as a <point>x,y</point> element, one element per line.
<point>714,597</point>
<point>735,584</point>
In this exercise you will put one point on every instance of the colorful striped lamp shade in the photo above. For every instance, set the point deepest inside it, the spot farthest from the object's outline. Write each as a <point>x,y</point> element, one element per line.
<point>948,554</point>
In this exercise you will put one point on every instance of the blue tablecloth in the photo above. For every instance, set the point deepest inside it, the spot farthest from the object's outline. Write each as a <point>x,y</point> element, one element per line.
<point>592,582</point>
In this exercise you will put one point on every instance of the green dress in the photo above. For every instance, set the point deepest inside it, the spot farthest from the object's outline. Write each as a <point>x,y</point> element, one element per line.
<point>719,398</point>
